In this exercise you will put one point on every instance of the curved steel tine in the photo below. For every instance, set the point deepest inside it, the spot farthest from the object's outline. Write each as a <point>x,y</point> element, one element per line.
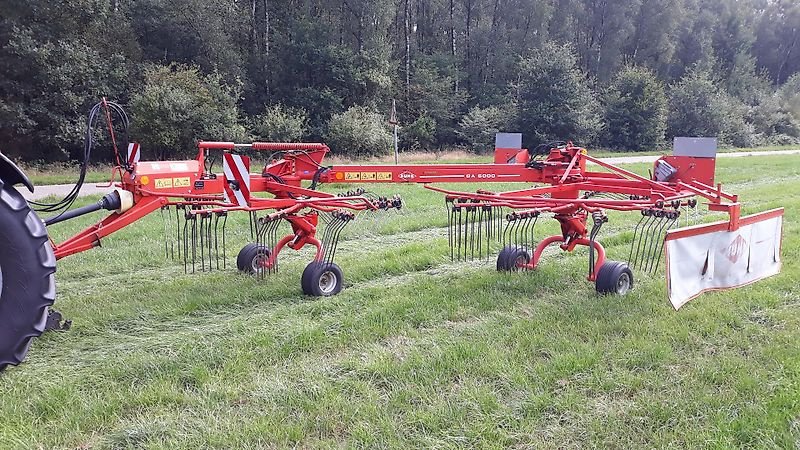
<point>185,243</point>
<point>636,231</point>
<point>642,236</point>
<point>164,221</point>
<point>449,227</point>
<point>661,252</point>
<point>178,228</point>
<point>194,241</point>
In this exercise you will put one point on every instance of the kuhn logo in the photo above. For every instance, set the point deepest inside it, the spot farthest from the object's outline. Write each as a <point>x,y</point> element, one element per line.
<point>736,249</point>
<point>406,175</point>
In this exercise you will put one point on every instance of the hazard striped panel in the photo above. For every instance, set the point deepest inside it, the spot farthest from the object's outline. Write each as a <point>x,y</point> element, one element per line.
<point>133,153</point>
<point>236,169</point>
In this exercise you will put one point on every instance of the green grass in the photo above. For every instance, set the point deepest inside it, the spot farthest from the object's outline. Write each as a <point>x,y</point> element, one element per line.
<point>42,174</point>
<point>417,351</point>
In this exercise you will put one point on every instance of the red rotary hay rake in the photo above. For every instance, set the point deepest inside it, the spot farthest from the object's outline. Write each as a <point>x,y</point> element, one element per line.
<point>720,255</point>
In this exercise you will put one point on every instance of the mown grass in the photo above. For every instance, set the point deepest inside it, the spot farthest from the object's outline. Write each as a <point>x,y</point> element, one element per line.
<point>417,351</point>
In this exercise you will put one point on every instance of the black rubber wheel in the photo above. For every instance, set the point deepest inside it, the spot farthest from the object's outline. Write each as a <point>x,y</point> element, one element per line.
<point>614,277</point>
<point>27,280</point>
<point>241,259</point>
<point>321,279</point>
<point>510,258</point>
<point>250,257</point>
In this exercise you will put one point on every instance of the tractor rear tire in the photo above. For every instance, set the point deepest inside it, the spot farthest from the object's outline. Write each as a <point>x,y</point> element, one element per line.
<point>27,280</point>
<point>510,258</point>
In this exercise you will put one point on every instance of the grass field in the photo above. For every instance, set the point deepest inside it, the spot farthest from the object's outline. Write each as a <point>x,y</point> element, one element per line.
<point>416,352</point>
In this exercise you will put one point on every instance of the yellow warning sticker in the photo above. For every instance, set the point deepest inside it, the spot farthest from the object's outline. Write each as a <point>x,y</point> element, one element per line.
<point>383,176</point>
<point>367,176</point>
<point>181,182</point>
<point>351,176</point>
<point>163,183</point>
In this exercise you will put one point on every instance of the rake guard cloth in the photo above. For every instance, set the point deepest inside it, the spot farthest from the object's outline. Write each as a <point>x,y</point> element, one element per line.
<point>709,257</point>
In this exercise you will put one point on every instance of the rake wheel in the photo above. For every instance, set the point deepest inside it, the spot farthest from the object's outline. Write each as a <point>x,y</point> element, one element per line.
<point>322,279</point>
<point>614,277</point>
<point>27,281</point>
<point>251,257</point>
<point>511,258</point>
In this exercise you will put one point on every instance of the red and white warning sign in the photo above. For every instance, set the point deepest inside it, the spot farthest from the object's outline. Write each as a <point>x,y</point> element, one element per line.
<point>236,169</point>
<point>709,257</point>
<point>133,153</point>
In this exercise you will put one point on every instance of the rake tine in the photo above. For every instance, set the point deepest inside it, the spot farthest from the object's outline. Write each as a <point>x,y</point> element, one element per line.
<point>211,242</point>
<point>666,224</point>
<point>185,242</point>
<point>194,241</point>
<point>480,229</point>
<point>253,225</point>
<point>645,237</point>
<point>458,235</point>
<point>273,235</point>
<point>637,233</point>
<point>672,223</point>
<point>259,239</point>
<point>216,239</point>
<point>340,226</point>
<point>178,228</point>
<point>164,221</point>
<point>449,228</point>
<point>326,239</point>
<point>224,246</point>
<point>471,218</point>
<point>658,224</point>
<point>201,235</point>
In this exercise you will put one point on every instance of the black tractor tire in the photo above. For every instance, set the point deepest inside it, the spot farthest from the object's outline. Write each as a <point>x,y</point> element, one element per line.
<point>322,279</point>
<point>250,255</point>
<point>510,258</point>
<point>27,280</point>
<point>614,277</point>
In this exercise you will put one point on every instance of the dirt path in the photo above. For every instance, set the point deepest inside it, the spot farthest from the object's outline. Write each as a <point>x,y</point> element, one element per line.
<point>60,190</point>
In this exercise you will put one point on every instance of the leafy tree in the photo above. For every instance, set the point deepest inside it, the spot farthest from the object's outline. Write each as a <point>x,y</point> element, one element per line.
<point>358,132</point>
<point>697,107</point>
<point>179,106</point>
<point>55,62</point>
<point>553,98</point>
<point>280,124</point>
<point>635,110</point>
<point>432,98</point>
<point>420,135</point>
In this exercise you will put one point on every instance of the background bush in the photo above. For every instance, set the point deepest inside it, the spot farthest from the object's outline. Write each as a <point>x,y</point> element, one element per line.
<point>635,108</point>
<point>359,132</point>
<point>280,124</point>
<point>179,106</point>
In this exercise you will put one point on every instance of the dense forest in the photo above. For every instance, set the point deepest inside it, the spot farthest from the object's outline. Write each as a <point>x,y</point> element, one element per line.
<point>623,74</point>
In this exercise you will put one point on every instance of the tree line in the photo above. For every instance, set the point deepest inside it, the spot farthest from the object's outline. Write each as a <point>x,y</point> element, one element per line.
<point>623,74</point>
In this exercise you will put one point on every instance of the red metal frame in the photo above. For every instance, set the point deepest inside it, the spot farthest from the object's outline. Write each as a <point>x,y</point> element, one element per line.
<point>564,174</point>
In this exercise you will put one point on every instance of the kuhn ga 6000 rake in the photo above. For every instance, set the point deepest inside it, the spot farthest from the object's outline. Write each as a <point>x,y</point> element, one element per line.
<point>718,255</point>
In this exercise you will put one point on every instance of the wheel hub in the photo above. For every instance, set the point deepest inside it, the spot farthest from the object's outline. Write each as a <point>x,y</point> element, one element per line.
<point>327,281</point>
<point>259,261</point>
<point>623,284</point>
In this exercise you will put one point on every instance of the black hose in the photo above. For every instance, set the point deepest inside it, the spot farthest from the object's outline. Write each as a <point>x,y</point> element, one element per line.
<point>88,144</point>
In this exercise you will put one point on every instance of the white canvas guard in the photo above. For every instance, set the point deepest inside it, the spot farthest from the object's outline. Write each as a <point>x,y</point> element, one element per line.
<point>708,257</point>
